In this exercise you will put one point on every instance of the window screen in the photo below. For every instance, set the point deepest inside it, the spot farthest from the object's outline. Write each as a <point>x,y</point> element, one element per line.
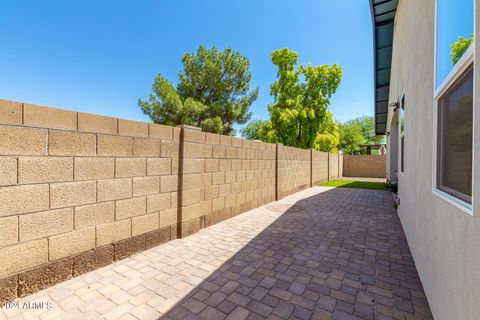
<point>455,127</point>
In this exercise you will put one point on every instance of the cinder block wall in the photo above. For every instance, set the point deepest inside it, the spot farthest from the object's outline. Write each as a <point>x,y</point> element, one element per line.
<point>340,166</point>
<point>333,166</point>
<point>293,165</point>
<point>319,167</point>
<point>222,177</point>
<point>79,191</point>
<point>366,166</point>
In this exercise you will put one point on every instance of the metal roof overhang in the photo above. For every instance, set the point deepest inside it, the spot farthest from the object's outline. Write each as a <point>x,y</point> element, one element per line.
<point>383,15</point>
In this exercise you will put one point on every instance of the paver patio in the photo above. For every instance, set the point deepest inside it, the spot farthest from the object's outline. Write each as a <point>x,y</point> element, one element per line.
<point>319,254</point>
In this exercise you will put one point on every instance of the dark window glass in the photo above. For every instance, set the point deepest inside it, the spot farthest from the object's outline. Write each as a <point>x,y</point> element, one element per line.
<point>402,115</point>
<point>455,127</point>
<point>402,159</point>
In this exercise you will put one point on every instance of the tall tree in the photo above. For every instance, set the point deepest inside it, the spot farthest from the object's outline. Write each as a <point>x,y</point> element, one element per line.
<point>166,107</point>
<point>329,137</point>
<point>356,132</point>
<point>367,125</point>
<point>351,137</point>
<point>213,92</point>
<point>299,107</point>
<point>252,131</point>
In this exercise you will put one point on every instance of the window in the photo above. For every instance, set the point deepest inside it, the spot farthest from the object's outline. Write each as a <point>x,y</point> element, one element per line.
<point>454,99</point>
<point>402,133</point>
<point>455,125</point>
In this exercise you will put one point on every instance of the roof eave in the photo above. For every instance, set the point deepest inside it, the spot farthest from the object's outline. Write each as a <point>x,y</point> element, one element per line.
<point>386,10</point>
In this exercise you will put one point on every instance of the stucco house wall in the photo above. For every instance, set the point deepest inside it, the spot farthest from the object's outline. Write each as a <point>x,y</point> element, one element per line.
<point>444,240</point>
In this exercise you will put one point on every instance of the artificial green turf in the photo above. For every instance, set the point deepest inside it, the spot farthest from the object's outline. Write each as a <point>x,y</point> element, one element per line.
<point>355,184</point>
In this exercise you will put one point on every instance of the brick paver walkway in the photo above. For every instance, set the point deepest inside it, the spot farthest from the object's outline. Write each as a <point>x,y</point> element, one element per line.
<point>319,254</point>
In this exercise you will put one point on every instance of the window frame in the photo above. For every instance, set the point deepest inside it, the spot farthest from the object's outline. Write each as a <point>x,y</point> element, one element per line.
<point>440,140</point>
<point>459,69</point>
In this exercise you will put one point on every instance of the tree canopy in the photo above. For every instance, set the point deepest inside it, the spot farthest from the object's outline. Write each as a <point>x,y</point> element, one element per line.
<point>301,99</point>
<point>332,137</point>
<point>252,131</point>
<point>356,132</point>
<point>213,92</point>
<point>351,137</point>
<point>367,125</point>
<point>328,137</point>
<point>459,47</point>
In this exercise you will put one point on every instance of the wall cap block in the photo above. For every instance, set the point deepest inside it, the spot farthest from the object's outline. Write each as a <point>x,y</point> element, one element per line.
<point>189,127</point>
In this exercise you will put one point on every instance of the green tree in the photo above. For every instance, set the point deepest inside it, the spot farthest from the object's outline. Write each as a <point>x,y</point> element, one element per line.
<point>166,106</point>
<point>213,92</point>
<point>299,107</point>
<point>328,137</point>
<point>459,47</point>
<point>367,125</point>
<point>351,137</point>
<point>267,133</point>
<point>252,131</point>
<point>356,132</point>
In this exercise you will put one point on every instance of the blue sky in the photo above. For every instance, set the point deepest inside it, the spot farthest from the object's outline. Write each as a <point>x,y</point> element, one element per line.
<point>455,19</point>
<point>101,56</point>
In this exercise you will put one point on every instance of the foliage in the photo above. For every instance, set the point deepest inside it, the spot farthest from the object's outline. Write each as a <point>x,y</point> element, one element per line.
<point>355,184</point>
<point>356,132</point>
<point>351,137</point>
<point>299,108</point>
<point>459,47</point>
<point>252,130</point>
<point>213,92</point>
<point>267,133</point>
<point>367,125</point>
<point>328,137</point>
<point>166,106</point>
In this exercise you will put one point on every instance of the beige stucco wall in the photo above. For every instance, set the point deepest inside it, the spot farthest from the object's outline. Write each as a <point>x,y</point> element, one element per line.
<point>444,240</point>
<point>392,152</point>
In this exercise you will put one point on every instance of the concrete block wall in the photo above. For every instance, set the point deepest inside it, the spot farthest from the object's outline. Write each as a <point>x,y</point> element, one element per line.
<point>319,167</point>
<point>79,191</point>
<point>293,170</point>
<point>340,166</point>
<point>333,166</point>
<point>223,176</point>
<point>365,166</point>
